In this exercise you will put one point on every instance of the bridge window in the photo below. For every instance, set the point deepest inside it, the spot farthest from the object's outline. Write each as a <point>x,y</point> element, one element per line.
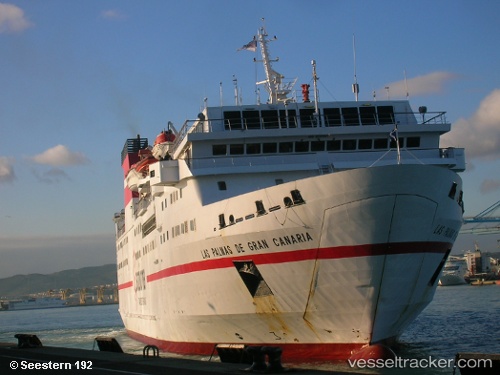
<point>368,115</point>
<point>291,122</point>
<point>232,120</point>
<point>332,116</point>
<point>385,114</point>
<point>350,116</point>
<point>307,118</point>
<point>251,119</point>
<point>270,119</point>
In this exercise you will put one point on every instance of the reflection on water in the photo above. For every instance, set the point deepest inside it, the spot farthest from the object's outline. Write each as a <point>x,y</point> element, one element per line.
<point>460,319</point>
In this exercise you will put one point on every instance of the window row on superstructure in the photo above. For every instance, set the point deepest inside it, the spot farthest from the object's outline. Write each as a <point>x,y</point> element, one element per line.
<point>177,230</point>
<point>123,263</point>
<point>173,197</point>
<point>312,146</point>
<point>145,249</point>
<point>122,243</point>
<point>306,117</point>
<point>183,228</point>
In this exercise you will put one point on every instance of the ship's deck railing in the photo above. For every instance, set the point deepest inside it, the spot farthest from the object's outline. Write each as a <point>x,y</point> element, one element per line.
<point>298,121</point>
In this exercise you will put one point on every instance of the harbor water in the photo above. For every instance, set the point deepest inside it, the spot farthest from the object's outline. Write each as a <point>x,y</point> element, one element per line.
<point>460,319</point>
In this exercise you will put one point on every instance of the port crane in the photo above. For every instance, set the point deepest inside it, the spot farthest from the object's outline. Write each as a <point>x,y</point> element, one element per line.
<point>484,217</point>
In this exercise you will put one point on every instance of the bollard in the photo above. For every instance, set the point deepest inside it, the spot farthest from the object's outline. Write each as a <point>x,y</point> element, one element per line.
<point>108,344</point>
<point>28,341</point>
<point>259,362</point>
<point>147,348</point>
<point>274,358</point>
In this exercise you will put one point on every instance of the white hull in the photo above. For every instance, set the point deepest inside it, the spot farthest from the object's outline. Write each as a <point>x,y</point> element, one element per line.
<point>318,227</point>
<point>39,303</point>
<point>353,265</point>
<point>454,272</point>
<point>449,279</point>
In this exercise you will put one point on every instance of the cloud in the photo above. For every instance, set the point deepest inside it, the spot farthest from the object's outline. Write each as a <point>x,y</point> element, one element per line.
<point>479,134</point>
<point>432,83</point>
<point>12,19</point>
<point>60,156</point>
<point>6,170</point>
<point>113,14</point>
<point>52,176</point>
<point>488,186</point>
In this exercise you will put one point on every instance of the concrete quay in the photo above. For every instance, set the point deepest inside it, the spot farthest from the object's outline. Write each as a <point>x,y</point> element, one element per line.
<point>80,361</point>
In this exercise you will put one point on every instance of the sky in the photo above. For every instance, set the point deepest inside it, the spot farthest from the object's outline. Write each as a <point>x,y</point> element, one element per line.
<point>77,78</point>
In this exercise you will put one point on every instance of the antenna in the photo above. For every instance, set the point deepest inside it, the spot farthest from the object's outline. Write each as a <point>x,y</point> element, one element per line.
<point>277,89</point>
<point>315,83</point>
<point>220,94</point>
<point>236,96</point>
<point>406,85</point>
<point>355,86</point>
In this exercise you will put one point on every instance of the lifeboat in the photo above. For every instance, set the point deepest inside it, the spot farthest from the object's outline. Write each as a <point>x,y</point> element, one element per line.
<point>163,143</point>
<point>140,169</point>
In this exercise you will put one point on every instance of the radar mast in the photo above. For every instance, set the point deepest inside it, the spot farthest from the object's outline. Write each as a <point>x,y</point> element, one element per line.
<point>278,91</point>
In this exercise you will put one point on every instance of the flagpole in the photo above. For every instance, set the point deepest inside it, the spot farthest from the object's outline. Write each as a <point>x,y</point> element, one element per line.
<point>394,135</point>
<point>397,144</point>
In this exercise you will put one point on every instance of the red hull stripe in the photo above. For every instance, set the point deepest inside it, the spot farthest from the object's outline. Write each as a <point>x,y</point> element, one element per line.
<point>301,255</point>
<point>128,284</point>
<point>291,352</point>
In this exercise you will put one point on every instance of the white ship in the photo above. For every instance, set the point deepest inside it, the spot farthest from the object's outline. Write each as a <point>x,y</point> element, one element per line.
<point>454,271</point>
<point>35,303</point>
<point>318,227</point>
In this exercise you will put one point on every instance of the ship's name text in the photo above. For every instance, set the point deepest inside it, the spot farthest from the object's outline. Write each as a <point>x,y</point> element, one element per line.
<point>445,231</point>
<point>260,244</point>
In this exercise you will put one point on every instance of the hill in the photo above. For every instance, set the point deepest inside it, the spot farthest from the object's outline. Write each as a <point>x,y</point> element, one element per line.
<point>21,285</point>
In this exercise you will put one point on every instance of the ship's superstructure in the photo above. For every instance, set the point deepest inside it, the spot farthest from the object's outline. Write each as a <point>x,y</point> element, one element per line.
<point>319,227</point>
<point>454,271</point>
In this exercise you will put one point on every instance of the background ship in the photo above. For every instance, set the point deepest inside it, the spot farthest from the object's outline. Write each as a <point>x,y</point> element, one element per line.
<point>33,303</point>
<point>454,271</point>
<point>319,227</point>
